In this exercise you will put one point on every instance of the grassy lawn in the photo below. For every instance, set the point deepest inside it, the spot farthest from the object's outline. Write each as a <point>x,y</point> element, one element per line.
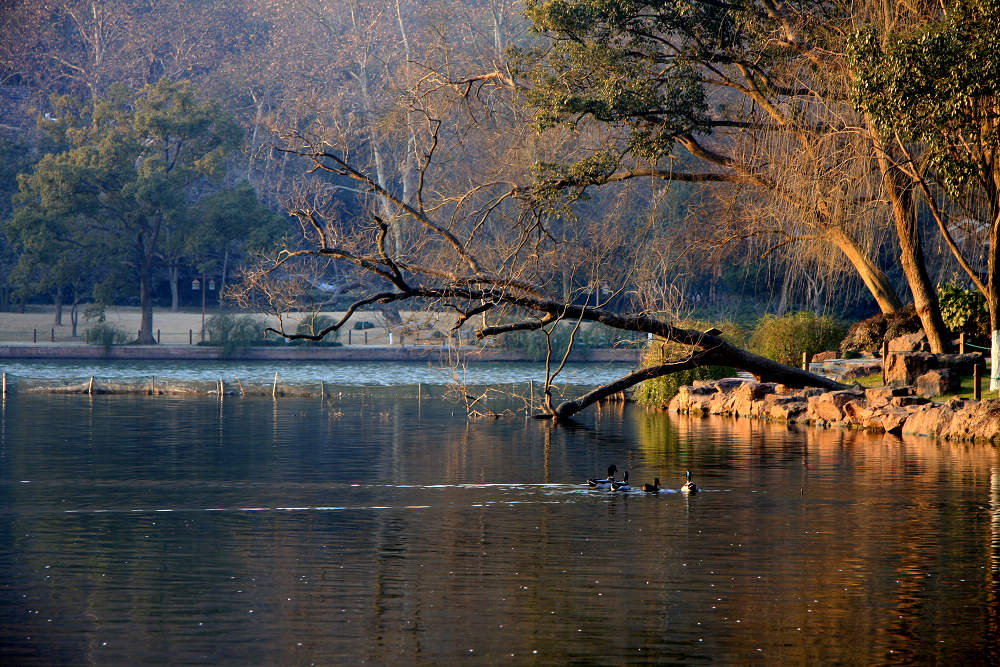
<point>875,380</point>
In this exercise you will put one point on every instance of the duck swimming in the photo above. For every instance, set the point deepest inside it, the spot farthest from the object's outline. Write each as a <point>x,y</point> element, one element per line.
<point>604,483</point>
<point>623,485</point>
<point>689,486</point>
<point>652,488</point>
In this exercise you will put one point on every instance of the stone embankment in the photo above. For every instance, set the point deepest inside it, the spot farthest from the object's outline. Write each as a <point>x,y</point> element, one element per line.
<point>890,409</point>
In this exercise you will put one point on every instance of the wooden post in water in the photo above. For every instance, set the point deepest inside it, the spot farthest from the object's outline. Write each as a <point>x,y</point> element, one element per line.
<point>419,395</point>
<point>977,382</point>
<point>274,387</point>
<point>242,393</point>
<point>531,395</point>
<point>90,388</point>
<point>5,384</point>
<point>322,391</point>
<point>222,388</point>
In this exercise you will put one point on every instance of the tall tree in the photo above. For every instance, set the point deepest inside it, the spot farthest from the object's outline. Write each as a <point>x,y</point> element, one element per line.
<point>130,170</point>
<point>933,93</point>
<point>754,95</point>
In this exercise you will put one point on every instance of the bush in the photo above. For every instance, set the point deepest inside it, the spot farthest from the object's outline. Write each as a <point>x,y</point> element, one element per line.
<point>234,332</point>
<point>658,391</point>
<point>312,326</point>
<point>869,334</point>
<point>964,311</point>
<point>106,335</point>
<point>784,338</point>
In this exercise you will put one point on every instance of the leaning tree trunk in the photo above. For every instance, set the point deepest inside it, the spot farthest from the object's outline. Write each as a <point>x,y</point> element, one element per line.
<point>911,255</point>
<point>874,278</point>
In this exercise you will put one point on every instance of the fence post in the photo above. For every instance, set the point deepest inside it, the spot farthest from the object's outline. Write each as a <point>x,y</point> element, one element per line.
<point>52,335</point>
<point>805,361</point>
<point>885,358</point>
<point>348,336</point>
<point>34,335</point>
<point>961,342</point>
<point>190,337</point>
<point>366,336</point>
<point>157,336</point>
<point>977,382</point>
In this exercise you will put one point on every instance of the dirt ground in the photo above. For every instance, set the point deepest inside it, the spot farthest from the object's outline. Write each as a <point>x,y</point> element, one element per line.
<point>37,325</point>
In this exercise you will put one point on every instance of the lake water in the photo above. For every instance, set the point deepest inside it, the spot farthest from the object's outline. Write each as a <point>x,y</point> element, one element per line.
<point>249,531</point>
<point>367,374</point>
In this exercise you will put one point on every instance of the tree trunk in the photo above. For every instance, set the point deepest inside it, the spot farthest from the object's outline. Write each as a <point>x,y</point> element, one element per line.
<point>146,306</point>
<point>74,316</point>
<point>59,307</point>
<point>874,278</point>
<point>719,354</point>
<point>173,273</point>
<point>911,257</point>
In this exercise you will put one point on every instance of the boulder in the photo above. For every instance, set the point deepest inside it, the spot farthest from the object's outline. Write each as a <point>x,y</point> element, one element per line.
<point>891,419</point>
<point>860,371</point>
<point>982,424</point>
<point>933,419</point>
<point>692,399</point>
<point>829,406</point>
<point>906,367</point>
<point>747,398</point>
<point>914,342</point>
<point>824,356</point>
<point>878,397</point>
<point>937,382</point>
<point>908,401</point>
<point>857,412</point>
<point>784,408</point>
<point>960,363</point>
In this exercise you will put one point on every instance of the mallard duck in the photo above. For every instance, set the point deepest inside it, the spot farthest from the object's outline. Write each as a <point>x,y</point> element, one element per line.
<point>652,488</point>
<point>604,483</point>
<point>689,486</point>
<point>623,485</point>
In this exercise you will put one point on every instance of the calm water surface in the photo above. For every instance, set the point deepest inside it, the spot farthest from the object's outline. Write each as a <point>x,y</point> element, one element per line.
<point>185,531</point>
<point>354,374</point>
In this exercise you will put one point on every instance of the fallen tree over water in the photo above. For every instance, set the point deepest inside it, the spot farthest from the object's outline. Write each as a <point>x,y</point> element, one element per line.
<point>490,266</point>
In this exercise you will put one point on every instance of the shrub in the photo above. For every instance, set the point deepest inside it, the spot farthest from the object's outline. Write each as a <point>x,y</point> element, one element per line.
<point>312,326</point>
<point>106,335</point>
<point>784,338</point>
<point>869,334</point>
<point>658,391</point>
<point>234,332</point>
<point>964,311</point>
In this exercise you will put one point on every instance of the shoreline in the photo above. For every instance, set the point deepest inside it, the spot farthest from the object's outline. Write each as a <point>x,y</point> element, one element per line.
<point>398,353</point>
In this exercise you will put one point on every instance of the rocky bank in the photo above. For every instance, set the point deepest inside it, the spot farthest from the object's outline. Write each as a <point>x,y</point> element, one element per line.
<point>890,409</point>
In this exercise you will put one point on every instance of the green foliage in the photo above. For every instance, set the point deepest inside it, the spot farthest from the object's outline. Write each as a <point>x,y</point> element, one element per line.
<point>233,332</point>
<point>939,85</point>
<point>658,391</point>
<point>871,333</point>
<point>964,311</point>
<point>784,338</point>
<point>106,335</point>
<point>122,175</point>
